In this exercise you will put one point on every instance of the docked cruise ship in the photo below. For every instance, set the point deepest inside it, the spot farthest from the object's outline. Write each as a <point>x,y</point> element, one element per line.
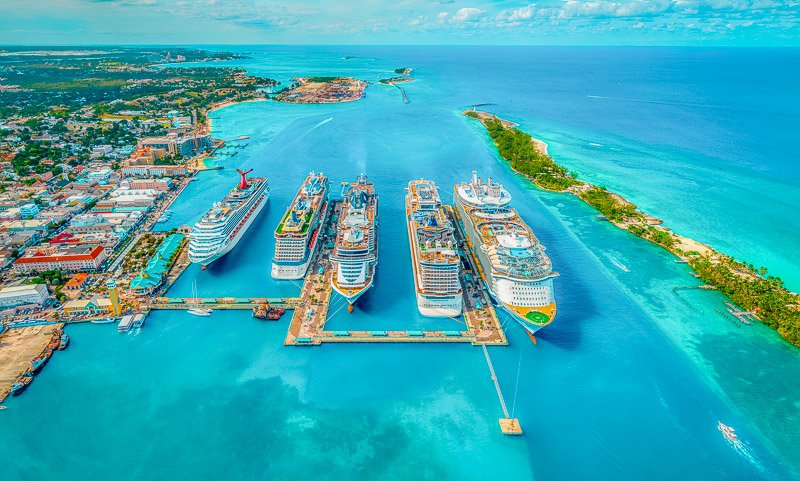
<point>355,252</point>
<point>297,235</point>
<point>517,272</point>
<point>221,228</point>
<point>434,252</point>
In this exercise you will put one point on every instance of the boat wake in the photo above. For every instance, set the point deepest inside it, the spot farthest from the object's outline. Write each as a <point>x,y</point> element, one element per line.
<point>320,124</point>
<point>741,447</point>
<point>617,263</point>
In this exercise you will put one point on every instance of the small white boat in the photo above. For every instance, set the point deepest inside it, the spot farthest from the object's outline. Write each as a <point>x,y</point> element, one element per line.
<point>103,321</point>
<point>728,432</point>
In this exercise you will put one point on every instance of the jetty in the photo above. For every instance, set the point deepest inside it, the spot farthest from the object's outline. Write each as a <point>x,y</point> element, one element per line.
<point>481,325</point>
<point>20,345</point>
<point>508,425</point>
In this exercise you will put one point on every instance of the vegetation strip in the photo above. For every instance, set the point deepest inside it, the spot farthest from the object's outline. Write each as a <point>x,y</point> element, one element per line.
<point>750,288</point>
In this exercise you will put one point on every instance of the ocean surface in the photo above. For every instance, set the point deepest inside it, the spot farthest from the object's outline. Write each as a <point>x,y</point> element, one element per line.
<point>630,380</point>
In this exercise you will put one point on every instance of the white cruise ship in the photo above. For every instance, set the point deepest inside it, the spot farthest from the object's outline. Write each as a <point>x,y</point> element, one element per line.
<point>355,252</point>
<point>434,252</point>
<point>221,228</point>
<point>517,272</point>
<point>297,236</point>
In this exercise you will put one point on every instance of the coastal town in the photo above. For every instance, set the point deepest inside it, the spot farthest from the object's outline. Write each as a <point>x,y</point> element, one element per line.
<point>87,170</point>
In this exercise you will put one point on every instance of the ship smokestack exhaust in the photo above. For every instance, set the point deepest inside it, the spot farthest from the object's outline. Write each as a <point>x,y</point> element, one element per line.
<point>243,183</point>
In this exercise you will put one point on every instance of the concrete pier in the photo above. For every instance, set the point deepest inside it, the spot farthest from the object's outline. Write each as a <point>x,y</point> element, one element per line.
<point>19,347</point>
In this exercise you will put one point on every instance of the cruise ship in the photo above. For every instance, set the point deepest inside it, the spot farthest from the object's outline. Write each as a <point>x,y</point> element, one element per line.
<point>222,227</point>
<point>434,253</point>
<point>297,235</point>
<point>355,252</point>
<point>517,272</point>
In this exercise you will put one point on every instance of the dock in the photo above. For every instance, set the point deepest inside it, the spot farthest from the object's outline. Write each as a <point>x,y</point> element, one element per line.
<point>225,303</point>
<point>19,346</point>
<point>307,328</point>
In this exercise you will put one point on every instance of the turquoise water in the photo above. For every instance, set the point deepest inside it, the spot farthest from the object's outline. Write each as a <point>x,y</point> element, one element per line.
<point>628,383</point>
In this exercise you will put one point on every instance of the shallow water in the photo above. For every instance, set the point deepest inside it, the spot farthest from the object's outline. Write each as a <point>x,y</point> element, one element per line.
<point>628,382</point>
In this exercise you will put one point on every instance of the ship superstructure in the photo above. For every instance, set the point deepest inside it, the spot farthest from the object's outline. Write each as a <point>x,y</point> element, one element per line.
<point>297,235</point>
<point>224,225</point>
<point>434,252</point>
<point>355,252</point>
<point>517,272</point>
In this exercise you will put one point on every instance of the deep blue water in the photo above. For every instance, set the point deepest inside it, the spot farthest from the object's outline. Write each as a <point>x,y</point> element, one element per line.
<point>628,382</point>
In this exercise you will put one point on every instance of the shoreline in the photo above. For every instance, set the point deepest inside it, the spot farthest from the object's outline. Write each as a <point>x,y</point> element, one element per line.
<point>763,298</point>
<point>222,105</point>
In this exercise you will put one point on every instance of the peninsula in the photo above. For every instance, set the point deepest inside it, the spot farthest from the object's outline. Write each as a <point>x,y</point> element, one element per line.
<point>322,90</point>
<point>749,287</point>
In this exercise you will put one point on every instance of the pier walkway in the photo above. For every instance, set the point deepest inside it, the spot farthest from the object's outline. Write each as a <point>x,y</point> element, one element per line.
<point>178,303</point>
<point>508,425</point>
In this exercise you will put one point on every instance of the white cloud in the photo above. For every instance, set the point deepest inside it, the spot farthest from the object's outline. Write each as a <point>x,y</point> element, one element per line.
<point>467,14</point>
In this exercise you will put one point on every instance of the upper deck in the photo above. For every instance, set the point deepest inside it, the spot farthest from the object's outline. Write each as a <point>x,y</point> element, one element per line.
<point>511,246</point>
<point>433,230</point>
<point>307,202</point>
<point>236,198</point>
<point>487,196</point>
<point>357,218</point>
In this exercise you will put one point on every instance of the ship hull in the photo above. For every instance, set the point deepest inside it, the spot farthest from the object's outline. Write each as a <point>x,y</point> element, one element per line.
<point>449,306</point>
<point>207,260</point>
<point>289,271</point>
<point>351,295</point>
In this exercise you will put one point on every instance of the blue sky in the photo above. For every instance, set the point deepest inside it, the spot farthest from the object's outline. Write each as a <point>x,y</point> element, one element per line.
<point>605,22</point>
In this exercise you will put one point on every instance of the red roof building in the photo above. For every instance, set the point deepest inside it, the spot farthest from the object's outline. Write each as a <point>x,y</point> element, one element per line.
<point>72,258</point>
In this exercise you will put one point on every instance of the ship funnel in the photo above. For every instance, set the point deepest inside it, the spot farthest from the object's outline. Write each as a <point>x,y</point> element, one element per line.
<point>474,177</point>
<point>243,183</point>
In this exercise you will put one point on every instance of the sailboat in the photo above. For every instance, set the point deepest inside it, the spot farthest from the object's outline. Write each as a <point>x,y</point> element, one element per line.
<point>198,311</point>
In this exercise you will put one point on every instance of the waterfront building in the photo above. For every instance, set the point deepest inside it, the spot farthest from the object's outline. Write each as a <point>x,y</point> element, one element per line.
<point>93,306</point>
<point>434,253</point>
<point>152,276</point>
<point>513,264</point>
<point>355,252</point>
<point>72,258</point>
<point>224,225</point>
<point>154,170</point>
<point>33,294</point>
<point>297,235</point>
<point>162,185</point>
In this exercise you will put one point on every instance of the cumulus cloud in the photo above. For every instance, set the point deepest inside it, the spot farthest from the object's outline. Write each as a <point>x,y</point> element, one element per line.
<point>467,14</point>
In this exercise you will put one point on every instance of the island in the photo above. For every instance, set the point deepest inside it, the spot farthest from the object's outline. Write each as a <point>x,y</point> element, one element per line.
<point>322,90</point>
<point>762,296</point>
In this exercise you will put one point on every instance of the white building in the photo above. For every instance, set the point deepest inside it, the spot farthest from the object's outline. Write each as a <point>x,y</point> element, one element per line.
<point>21,295</point>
